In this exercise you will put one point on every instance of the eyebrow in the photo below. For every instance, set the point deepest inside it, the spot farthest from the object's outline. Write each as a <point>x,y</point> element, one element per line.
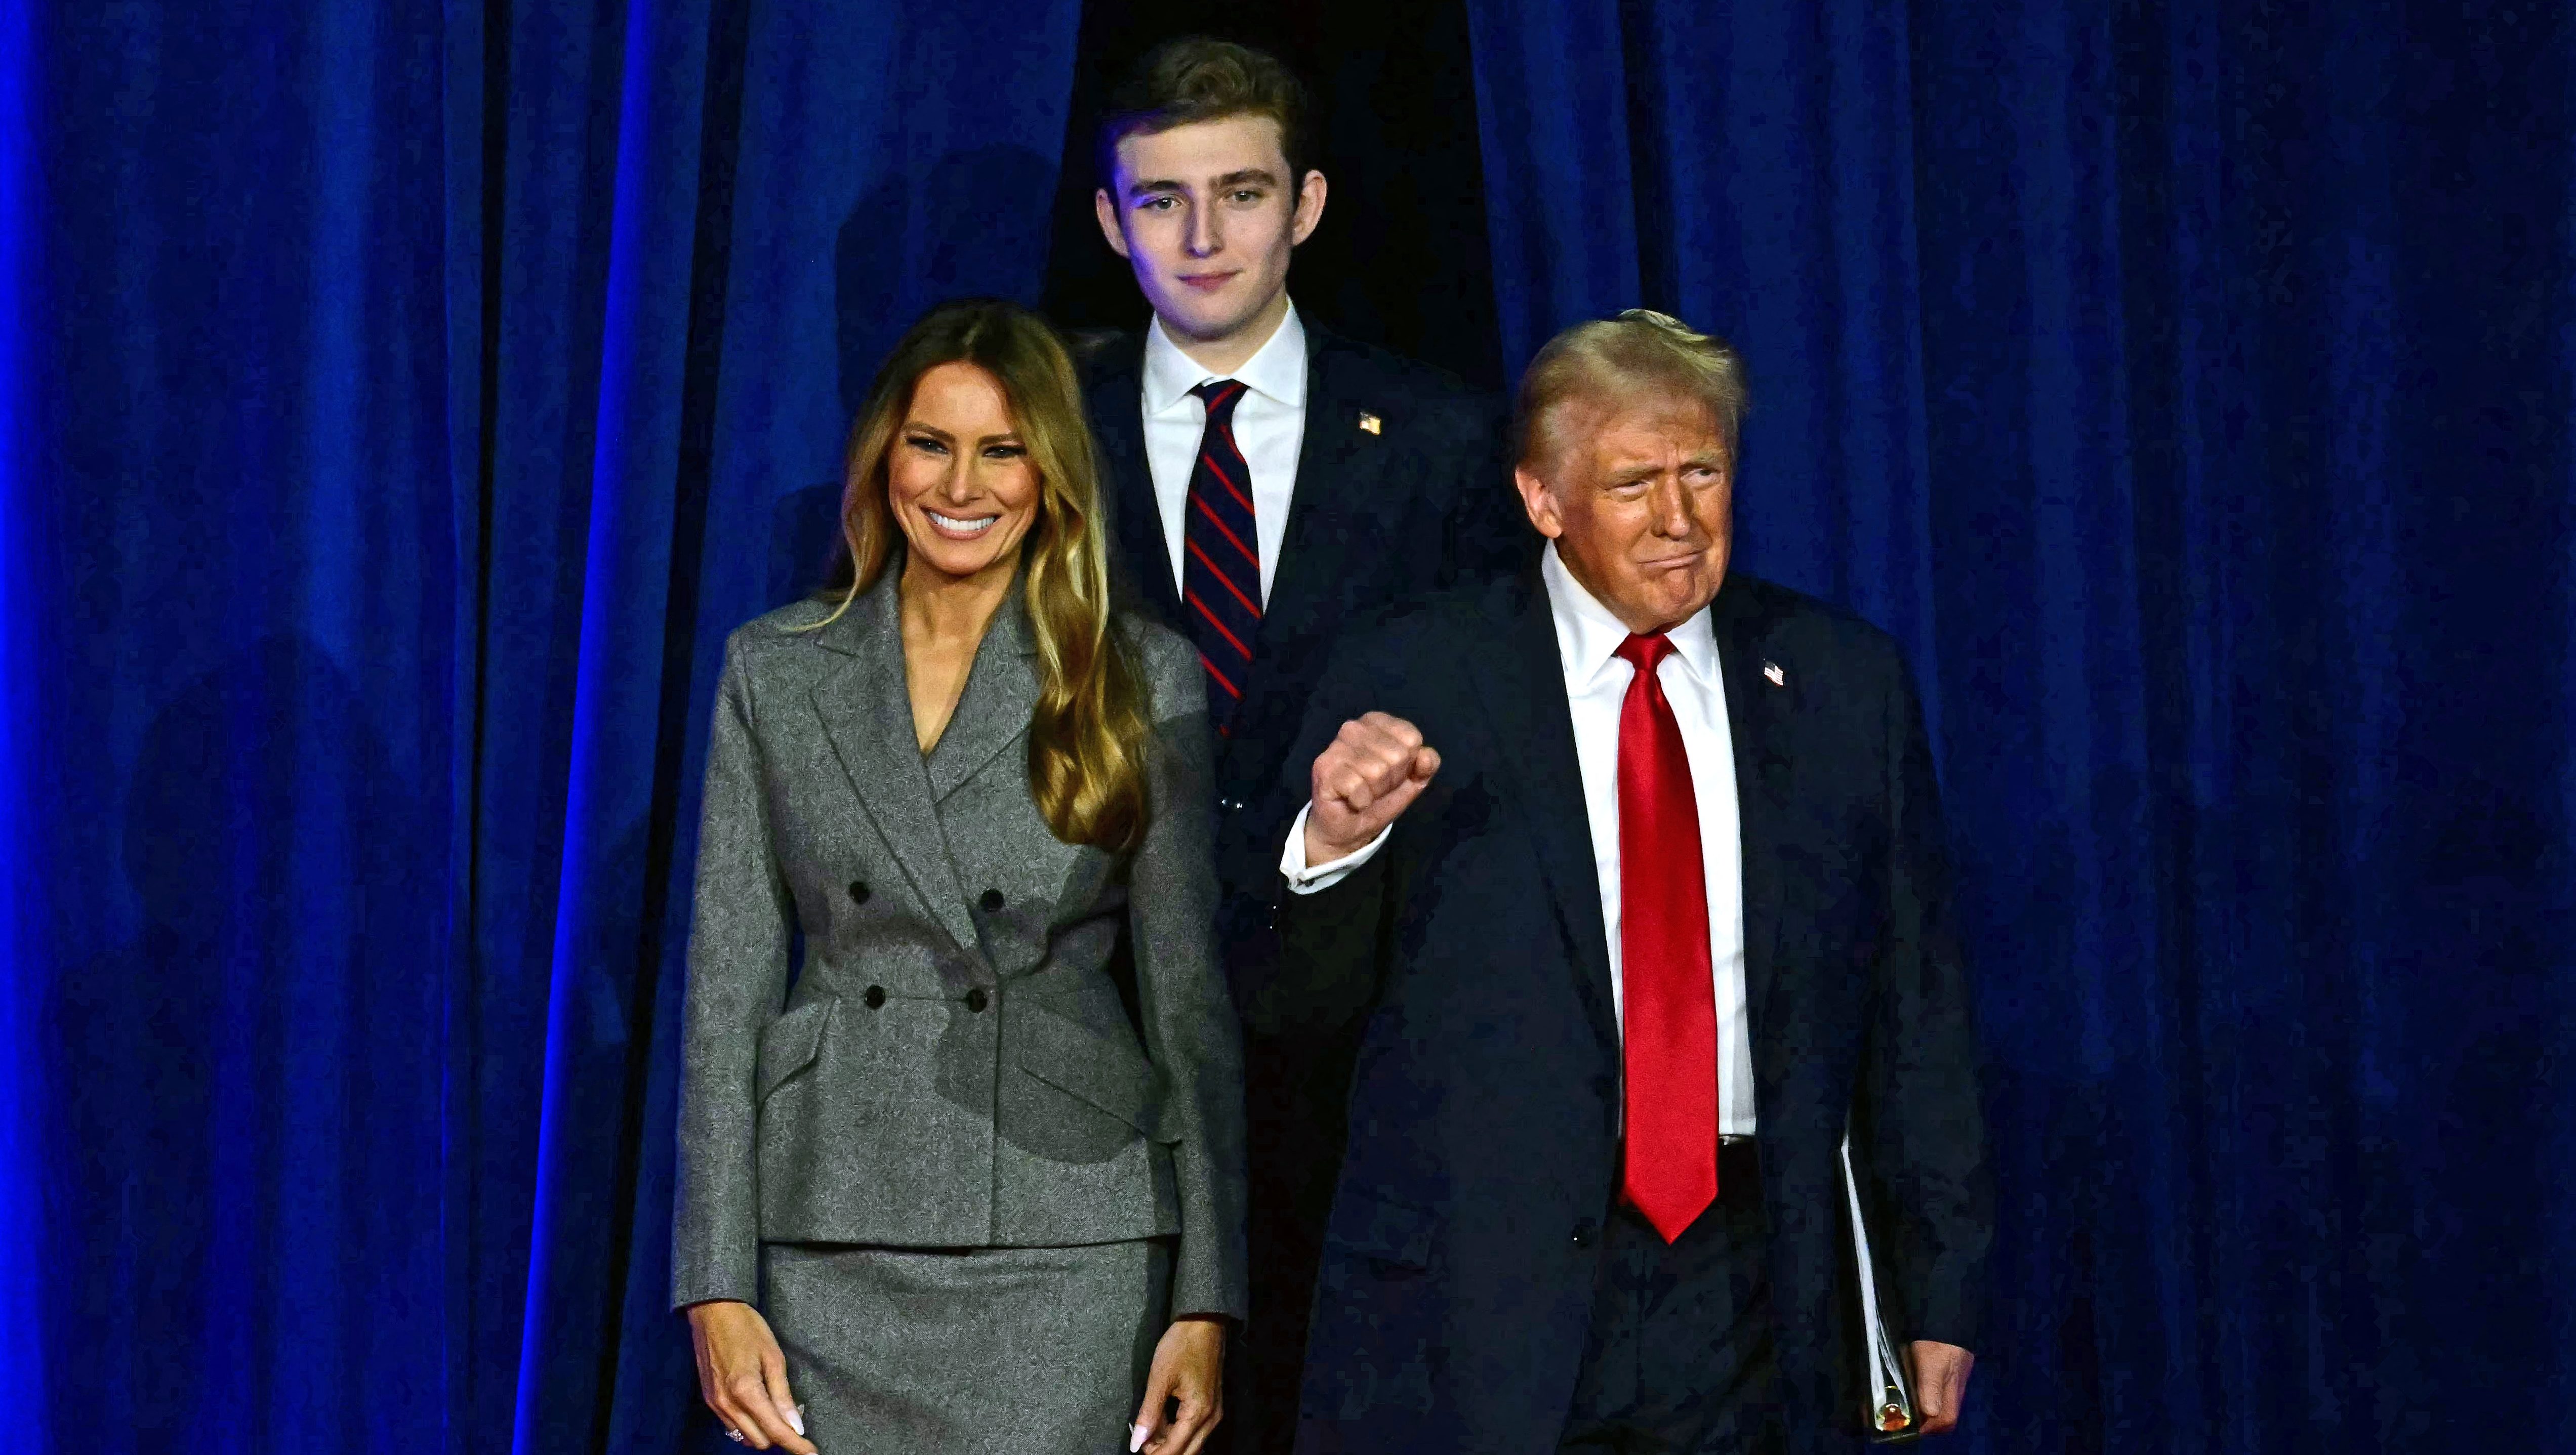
<point>1006,437</point>
<point>1145,185</point>
<point>1635,470</point>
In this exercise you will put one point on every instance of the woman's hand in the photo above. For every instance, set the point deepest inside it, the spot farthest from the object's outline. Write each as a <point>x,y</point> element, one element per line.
<point>1189,1366</point>
<point>743,1376</point>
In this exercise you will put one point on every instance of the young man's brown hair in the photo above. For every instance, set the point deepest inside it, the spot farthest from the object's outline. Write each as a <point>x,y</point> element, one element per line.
<point>1198,79</point>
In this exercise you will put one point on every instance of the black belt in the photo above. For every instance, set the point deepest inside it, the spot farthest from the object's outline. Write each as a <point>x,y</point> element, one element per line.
<point>1739,1171</point>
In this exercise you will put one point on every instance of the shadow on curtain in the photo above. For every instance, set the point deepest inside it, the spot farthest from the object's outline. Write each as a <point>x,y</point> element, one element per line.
<point>400,401</point>
<point>2187,385</point>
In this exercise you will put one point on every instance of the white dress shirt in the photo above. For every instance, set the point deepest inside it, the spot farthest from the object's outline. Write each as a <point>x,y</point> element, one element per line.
<point>1596,685</point>
<point>1269,427</point>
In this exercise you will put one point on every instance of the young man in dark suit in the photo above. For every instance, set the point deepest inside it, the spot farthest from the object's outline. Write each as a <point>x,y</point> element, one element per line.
<point>1270,481</point>
<point>1631,870</point>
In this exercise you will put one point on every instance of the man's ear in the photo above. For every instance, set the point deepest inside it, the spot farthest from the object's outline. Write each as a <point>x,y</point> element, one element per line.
<point>1540,504</point>
<point>1109,228</point>
<point>1310,208</point>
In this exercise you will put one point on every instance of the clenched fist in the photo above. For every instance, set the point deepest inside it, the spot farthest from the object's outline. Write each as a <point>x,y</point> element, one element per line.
<point>1372,771</point>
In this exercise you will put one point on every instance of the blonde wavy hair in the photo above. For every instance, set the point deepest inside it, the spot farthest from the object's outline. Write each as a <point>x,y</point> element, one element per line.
<point>1087,735</point>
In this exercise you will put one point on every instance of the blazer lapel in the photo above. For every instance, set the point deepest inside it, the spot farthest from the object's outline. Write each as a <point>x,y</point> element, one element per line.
<point>993,712</point>
<point>1335,463</point>
<point>1135,518</point>
<point>866,712</point>
<point>1523,684</point>
<point>1756,711</point>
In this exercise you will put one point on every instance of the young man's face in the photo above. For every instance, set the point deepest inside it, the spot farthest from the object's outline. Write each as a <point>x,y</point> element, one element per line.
<point>1206,214</point>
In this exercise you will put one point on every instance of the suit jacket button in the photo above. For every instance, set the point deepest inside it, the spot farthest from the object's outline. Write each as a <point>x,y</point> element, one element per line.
<point>976,999</point>
<point>858,891</point>
<point>991,901</point>
<point>875,996</point>
<point>1585,1232</point>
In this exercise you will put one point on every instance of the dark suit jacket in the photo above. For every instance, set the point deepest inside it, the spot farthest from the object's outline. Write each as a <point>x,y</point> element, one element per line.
<point>1424,503</point>
<point>1457,1277</point>
<point>1420,504</point>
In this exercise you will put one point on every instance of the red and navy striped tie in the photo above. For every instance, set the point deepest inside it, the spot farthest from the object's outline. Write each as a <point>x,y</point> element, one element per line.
<point>1221,579</point>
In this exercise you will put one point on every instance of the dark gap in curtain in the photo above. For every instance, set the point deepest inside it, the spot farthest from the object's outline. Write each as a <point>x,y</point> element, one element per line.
<point>1405,263</point>
<point>494,180</point>
<point>1652,204</point>
<point>475,1404</point>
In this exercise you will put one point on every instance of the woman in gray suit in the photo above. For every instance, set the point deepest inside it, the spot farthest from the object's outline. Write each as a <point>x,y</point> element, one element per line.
<point>953,1186</point>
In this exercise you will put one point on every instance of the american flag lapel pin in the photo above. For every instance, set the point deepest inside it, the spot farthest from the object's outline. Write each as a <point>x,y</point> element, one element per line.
<point>1777,678</point>
<point>1370,423</point>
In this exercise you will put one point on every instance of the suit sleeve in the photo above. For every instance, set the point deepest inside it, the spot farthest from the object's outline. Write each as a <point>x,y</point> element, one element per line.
<point>1326,970</point>
<point>1488,533</point>
<point>1189,1021</point>
<point>1924,1124</point>
<point>737,967</point>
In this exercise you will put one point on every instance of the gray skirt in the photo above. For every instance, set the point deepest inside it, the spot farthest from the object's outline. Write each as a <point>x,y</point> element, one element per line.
<point>983,1351</point>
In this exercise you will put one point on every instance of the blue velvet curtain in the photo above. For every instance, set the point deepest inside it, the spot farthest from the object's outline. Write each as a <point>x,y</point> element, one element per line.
<point>397,401</point>
<point>2187,384</point>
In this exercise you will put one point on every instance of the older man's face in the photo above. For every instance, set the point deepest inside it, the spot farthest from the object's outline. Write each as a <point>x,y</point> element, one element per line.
<point>1639,497</point>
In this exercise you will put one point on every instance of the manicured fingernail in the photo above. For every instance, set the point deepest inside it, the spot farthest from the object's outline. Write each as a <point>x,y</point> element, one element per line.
<point>796,1419</point>
<point>1136,1438</point>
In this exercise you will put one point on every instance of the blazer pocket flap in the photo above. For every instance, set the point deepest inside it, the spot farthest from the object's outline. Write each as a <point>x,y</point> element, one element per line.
<point>1389,1232</point>
<point>1090,1068</point>
<point>789,1044</point>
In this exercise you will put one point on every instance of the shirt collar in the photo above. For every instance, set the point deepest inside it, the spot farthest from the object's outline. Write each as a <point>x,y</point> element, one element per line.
<point>1277,371</point>
<point>1588,637</point>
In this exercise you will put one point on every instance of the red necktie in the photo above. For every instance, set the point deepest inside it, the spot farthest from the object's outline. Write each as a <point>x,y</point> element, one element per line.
<point>1221,576</point>
<point>1668,997</point>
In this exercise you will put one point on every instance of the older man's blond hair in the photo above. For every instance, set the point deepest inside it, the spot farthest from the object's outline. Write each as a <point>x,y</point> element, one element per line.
<point>1607,361</point>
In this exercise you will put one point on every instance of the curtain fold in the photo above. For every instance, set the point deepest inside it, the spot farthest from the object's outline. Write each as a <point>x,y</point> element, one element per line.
<point>24,520</point>
<point>2186,386</point>
<point>401,401</point>
<point>234,557</point>
<point>1552,100</point>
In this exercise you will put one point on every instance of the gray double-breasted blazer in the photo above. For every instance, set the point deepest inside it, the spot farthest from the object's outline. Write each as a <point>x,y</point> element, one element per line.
<point>954,1067</point>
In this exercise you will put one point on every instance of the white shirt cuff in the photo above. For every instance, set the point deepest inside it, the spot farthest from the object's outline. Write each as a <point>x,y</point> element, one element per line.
<point>1302,880</point>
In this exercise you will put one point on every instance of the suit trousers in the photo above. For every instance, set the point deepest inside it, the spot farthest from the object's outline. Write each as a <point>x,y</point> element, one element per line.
<point>976,1351</point>
<point>1679,1360</point>
<point>1294,1092</point>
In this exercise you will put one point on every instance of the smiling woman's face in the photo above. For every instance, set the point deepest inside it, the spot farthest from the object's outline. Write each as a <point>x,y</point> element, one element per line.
<point>959,477</point>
